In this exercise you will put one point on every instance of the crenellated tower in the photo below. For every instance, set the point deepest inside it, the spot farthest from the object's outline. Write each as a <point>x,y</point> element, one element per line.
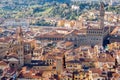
<point>20,49</point>
<point>102,14</point>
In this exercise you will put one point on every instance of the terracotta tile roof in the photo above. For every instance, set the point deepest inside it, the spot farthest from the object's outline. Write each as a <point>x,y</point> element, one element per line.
<point>74,61</point>
<point>77,32</point>
<point>30,74</point>
<point>67,44</point>
<point>28,56</point>
<point>50,57</point>
<point>118,52</point>
<point>5,40</point>
<point>116,75</point>
<point>108,58</point>
<point>115,31</point>
<point>38,49</point>
<point>63,29</point>
<point>91,50</point>
<point>13,55</point>
<point>96,70</point>
<point>2,63</point>
<point>53,34</point>
<point>27,74</point>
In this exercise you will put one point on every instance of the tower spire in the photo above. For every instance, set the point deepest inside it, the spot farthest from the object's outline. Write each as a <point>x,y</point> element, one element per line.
<point>102,14</point>
<point>19,33</point>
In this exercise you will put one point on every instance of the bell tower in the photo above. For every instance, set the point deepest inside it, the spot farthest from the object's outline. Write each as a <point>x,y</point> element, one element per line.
<point>20,49</point>
<point>102,14</point>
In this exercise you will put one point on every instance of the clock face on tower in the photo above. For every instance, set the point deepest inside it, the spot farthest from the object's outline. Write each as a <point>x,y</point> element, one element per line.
<point>13,65</point>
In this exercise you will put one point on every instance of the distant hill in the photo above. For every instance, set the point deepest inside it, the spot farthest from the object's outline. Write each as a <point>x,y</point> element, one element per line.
<point>63,1</point>
<point>60,1</point>
<point>47,8</point>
